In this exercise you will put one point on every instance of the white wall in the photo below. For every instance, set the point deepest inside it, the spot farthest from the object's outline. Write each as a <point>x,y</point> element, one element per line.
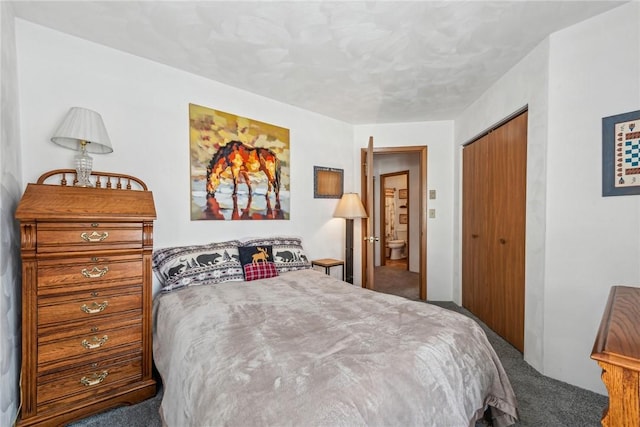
<point>438,137</point>
<point>10,192</point>
<point>525,84</point>
<point>578,243</point>
<point>592,241</point>
<point>145,109</point>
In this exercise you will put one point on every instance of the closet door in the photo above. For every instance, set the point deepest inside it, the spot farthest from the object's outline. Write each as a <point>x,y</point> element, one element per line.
<point>475,229</point>
<point>469,206</point>
<point>493,229</point>
<point>509,172</point>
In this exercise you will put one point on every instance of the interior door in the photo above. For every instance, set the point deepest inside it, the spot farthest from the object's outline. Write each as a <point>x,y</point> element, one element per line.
<point>369,239</point>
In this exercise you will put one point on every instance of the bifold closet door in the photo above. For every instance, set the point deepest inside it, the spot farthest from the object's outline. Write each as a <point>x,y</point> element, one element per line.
<point>493,227</point>
<point>509,147</point>
<point>474,228</point>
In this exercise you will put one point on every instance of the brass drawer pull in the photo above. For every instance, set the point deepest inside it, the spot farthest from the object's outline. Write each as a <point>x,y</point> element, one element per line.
<point>97,342</point>
<point>94,236</point>
<point>97,379</point>
<point>96,308</point>
<point>95,272</point>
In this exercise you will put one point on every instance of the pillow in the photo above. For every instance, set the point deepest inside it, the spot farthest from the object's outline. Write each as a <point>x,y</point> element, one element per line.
<point>257,262</point>
<point>288,254</point>
<point>180,266</point>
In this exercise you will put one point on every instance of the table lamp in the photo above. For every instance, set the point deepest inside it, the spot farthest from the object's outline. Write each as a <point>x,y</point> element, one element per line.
<point>83,130</point>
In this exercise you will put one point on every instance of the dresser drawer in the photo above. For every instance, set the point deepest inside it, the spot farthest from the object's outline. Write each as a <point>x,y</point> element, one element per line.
<point>85,341</point>
<point>87,380</point>
<point>64,237</point>
<point>96,304</point>
<point>89,269</point>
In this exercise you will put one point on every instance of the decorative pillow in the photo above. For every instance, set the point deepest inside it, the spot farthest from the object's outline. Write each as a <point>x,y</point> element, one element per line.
<point>181,266</point>
<point>288,254</point>
<point>257,262</point>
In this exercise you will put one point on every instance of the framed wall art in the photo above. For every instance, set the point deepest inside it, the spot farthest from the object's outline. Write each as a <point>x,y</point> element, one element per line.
<point>328,183</point>
<point>621,154</point>
<point>403,218</point>
<point>239,167</point>
<point>402,193</point>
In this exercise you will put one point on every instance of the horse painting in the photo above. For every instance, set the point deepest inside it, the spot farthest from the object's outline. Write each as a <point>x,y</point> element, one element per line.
<point>240,160</point>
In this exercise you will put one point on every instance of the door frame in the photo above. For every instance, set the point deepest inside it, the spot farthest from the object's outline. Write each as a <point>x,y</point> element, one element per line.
<point>421,151</point>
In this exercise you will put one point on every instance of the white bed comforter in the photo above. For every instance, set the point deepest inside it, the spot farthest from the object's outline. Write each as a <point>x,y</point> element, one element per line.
<point>304,349</point>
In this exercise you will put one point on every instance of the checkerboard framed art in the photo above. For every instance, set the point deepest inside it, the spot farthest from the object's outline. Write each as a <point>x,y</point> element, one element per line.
<point>621,154</point>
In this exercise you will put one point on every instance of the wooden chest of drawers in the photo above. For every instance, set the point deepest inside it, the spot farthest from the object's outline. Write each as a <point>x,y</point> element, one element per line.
<point>617,351</point>
<point>86,300</point>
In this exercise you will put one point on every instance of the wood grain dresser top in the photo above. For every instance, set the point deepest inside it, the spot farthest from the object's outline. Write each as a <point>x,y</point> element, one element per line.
<point>618,339</point>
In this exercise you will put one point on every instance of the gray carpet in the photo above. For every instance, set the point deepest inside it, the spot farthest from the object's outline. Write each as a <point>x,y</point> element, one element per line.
<point>397,281</point>
<point>543,402</point>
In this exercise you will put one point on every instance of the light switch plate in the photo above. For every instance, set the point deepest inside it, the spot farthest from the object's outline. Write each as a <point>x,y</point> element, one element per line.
<point>432,213</point>
<point>432,194</point>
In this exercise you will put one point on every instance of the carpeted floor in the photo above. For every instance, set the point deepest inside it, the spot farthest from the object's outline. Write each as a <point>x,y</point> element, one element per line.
<point>397,281</point>
<point>543,402</point>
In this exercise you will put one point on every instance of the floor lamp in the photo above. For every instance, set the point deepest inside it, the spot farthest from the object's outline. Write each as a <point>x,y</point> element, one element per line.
<point>349,207</point>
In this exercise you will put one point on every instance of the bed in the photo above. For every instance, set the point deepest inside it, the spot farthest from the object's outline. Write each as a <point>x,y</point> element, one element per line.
<point>305,349</point>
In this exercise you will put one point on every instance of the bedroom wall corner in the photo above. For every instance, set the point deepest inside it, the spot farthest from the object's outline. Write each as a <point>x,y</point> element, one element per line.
<point>10,192</point>
<point>523,85</point>
<point>572,259</point>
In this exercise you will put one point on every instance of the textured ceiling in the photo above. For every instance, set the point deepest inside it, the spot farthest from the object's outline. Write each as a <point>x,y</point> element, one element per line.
<point>359,62</point>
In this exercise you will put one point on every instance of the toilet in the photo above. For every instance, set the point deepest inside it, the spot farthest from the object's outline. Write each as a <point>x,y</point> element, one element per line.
<point>397,247</point>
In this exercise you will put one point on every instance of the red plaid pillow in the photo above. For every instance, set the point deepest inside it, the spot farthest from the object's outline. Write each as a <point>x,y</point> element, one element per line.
<point>260,270</point>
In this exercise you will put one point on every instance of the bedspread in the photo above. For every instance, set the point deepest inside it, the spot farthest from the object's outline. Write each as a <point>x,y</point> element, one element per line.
<point>304,349</point>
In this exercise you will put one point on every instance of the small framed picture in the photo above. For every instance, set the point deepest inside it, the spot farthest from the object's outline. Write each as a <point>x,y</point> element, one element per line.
<point>402,193</point>
<point>621,154</point>
<point>402,218</point>
<point>327,182</point>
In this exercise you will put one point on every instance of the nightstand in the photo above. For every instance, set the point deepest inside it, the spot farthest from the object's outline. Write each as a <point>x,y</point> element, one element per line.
<point>327,263</point>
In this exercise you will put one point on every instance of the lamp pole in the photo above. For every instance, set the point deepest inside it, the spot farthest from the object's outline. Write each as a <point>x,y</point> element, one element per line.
<point>348,265</point>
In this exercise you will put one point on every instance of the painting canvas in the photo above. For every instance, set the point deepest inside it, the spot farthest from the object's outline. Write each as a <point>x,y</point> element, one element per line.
<point>239,167</point>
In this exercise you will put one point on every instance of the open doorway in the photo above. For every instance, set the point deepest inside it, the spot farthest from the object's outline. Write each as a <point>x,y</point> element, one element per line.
<point>375,240</point>
<point>394,224</point>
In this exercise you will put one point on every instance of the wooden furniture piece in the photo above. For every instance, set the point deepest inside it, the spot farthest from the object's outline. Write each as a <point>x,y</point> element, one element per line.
<point>86,297</point>
<point>327,263</point>
<point>493,228</point>
<point>617,351</point>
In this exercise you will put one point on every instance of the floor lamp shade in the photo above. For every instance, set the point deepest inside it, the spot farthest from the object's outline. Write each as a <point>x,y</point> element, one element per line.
<point>83,130</point>
<point>349,207</point>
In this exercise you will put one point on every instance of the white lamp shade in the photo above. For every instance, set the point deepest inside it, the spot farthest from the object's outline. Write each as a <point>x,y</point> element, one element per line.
<point>81,124</point>
<point>350,206</point>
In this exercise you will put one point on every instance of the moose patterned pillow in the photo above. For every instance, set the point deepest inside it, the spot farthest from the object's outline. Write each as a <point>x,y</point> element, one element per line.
<point>288,253</point>
<point>257,262</point>
<point>180,266</point>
